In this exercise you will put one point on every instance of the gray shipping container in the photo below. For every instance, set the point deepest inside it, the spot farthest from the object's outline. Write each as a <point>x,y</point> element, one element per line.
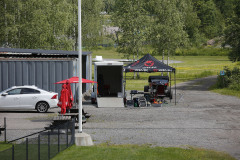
<point>42,73</point>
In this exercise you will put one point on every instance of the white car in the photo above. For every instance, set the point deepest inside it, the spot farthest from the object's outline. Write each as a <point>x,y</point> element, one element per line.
<point>27,98</point>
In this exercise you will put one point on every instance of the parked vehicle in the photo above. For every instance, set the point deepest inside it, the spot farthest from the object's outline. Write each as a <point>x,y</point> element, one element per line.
<point>158,88</point>
<point>27,98</point>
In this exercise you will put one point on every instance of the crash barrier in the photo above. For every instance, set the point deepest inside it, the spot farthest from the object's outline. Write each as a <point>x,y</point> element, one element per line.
<point>3,129</point>
<point>42,145</point>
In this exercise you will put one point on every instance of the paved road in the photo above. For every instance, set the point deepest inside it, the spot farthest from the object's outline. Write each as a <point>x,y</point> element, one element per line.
<point>200,118</point>
<point>23,123</point>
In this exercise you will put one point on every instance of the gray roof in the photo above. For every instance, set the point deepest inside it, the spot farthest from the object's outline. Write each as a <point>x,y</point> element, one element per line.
<point>43,53</point>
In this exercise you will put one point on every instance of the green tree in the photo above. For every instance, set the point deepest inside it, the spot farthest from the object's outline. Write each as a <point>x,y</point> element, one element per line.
<point>109,5</point>
<point>226,7</point>
<point>91,22</point>
<point>133,20</point>
<point>60,22</point>
<point>212,23</point>
<point>9,22</point>
<point>48,24</point>
<point>35,26</point>
<point>232,34</point>
<point>167,30</point>
<point>191,21</point>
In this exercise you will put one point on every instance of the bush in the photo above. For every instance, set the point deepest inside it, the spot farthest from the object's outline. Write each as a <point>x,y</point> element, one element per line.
<point>230,80</point>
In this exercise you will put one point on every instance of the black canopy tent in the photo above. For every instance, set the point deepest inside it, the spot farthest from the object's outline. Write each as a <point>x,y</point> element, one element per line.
<point>150,64</point>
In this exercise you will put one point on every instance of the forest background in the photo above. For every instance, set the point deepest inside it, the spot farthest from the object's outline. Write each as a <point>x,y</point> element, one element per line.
<point>130,27</point>
<point>156,26</point>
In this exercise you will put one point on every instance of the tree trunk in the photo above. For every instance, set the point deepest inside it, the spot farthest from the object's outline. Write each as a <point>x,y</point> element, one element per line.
<point>162,60</point>
<point>134,75</point>
<point>168,61</point>
<point>137,72</point>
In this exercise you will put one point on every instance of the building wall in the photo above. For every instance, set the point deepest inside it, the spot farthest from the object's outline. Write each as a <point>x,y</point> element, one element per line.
<point>43,74</point>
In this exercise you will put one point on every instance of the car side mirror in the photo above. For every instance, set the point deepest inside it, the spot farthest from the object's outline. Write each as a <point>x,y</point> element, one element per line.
<point>4,94</point>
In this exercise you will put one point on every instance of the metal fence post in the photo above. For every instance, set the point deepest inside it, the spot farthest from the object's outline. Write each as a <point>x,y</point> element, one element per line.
<point>5,130</point>
<point>39,147</point>
<point>48,144</point>
<point>12,152</point>
<point>67,133</point>
<point>58,141</point>
<point>26,148</point>
<point>73,132</point>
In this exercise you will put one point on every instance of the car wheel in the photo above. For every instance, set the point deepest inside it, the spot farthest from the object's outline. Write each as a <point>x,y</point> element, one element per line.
<point>93,100</point>
<point>42,107</point>
<point>171,94</point>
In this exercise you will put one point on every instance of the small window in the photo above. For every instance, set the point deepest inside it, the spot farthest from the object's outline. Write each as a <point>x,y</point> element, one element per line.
<point>29,91</point>
<point>14,91</point>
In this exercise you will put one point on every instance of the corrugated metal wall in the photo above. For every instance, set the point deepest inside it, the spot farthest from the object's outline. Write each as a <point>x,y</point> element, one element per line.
<point>40,73</point>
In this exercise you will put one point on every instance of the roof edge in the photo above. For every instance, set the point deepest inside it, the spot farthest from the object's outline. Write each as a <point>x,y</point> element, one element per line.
<point>42,51</point>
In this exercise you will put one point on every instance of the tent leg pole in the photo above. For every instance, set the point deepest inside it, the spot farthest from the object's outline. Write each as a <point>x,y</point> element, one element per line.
<point>175,88</point>
<point>125,78</point>
<point>170,85</point>
<point>125,87</point>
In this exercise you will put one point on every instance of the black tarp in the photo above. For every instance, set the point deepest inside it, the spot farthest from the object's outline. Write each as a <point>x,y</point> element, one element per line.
<point>148,64</point>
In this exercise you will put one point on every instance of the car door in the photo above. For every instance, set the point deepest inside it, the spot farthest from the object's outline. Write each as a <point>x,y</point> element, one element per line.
<point>28,98</point>
<point>11,100</point>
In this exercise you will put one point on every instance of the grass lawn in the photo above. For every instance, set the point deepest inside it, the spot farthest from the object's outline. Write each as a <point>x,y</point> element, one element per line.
<point>192,67</point>
<point>20,151</point>
<point>107,53</point>
<point>136,152</point>
<point>4,146</point>
<point>225,91</point>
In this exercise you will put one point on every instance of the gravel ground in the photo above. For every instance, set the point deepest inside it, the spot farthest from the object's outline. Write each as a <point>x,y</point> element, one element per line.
<point>200,118</point>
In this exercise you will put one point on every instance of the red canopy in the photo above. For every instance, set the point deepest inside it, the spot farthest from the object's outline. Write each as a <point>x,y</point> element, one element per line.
<point>75,80</point>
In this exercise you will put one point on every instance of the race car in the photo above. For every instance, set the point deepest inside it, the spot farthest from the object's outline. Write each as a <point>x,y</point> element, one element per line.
<point>157,89</point>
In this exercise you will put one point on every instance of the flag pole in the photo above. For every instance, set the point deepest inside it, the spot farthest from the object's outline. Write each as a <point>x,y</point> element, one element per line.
<point>80,67</point>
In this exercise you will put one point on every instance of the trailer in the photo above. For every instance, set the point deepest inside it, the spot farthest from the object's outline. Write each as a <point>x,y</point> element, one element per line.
<point>109,91</point>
